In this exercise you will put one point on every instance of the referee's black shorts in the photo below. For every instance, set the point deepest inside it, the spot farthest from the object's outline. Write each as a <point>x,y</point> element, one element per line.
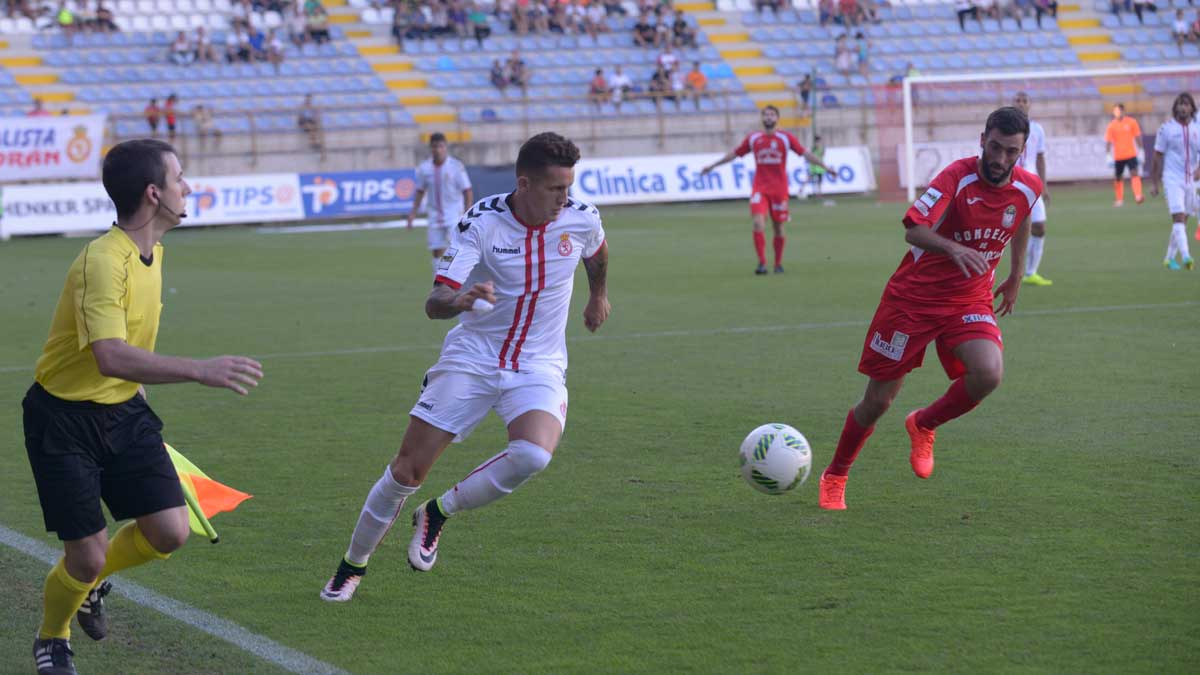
<point>82,452</point>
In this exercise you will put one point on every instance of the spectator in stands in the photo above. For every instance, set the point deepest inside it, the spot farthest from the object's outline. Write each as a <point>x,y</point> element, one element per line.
<point>804,89</point>
<point>643,31</point>
<point>39,109</point>
<point>848,12</point>
<point>826,11</point>
<point>1181,30</point>
<point>65,19</point>
<point>539,16</point>
<point>868,11</point>
<point>477,18</point>
<point>519,10</point>
<point>596,20</point>
<point>1004,9</point>
<point>614,8</point>
<point>598,91</point>
<point>258,45</point>
<point>965,8</point>
<point>274,49</point>
<point>662,26</point>
<point>620,85</point>
<point>697,83</point>
<point>843,56</point>
<point>1195,35</point>
<point>1140,6</point>
<point>660,86</point>
<point>169,108</point>
<point>576,16</point>
<point>318,25</point>
<point>441,19</point>
<point>202,47</point>
<point>152,113</point>
<point>181,52</point>
<point>457,13</point>
<point>772,4</point>
<point>309,122</point>
<point>668,59</point>
<point>518,72</point>
<point>1041,7</point>
<point>685,34</point>
<point>202,117</point>
<point>862,47</point>
<point>104,19</point>
<point>237,46</point>
<point>297,26</point>
<point>498,76</point>
<point>240,13</point>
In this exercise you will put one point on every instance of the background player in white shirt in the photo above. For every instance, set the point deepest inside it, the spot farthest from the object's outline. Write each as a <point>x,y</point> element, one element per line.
<point>1033,160</point>
<point>1176,170</point>
<point>445,180</point>
<point>518,252</point>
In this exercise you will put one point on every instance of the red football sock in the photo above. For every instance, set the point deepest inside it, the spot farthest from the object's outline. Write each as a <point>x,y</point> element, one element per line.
<point>760,247</point>
<point>853,438</point>
<point>954,403</point>
<point>778,243</point>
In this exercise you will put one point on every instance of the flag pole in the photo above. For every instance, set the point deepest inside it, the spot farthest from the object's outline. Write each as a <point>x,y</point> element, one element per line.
<point>199,513</point>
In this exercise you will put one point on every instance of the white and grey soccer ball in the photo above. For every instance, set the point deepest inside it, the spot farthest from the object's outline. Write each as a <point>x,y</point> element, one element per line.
<point>775,458</point>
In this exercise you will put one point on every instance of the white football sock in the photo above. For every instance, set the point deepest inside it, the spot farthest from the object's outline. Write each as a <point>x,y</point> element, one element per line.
<point>496,477</point>
<point>1171,248</point>
<point>1179,234</point>
<point>1033,254</point>
<point>433,263</point>
<point>378,513</point>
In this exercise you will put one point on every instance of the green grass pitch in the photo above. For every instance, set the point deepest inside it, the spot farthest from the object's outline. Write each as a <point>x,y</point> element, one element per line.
<point>1060,532</point>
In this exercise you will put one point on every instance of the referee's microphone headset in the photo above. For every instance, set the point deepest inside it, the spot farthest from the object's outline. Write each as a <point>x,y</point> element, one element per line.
<point>181,215</point>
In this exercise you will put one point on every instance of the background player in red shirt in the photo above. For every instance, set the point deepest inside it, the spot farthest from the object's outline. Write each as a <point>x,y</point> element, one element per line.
<point>770,189</point>
<point>942,293</point>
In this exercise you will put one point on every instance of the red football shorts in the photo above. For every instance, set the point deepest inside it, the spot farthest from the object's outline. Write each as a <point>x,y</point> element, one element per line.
<point>897,338</point>
<point>773,204</point>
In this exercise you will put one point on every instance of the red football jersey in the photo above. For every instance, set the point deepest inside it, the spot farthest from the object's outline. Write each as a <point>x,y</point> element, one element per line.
<point>770,159</point>
<point>960,205</point>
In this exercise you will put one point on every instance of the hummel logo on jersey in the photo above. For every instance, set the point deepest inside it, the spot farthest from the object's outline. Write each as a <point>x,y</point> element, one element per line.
<point>893,350</point>
<point>464,226</point>
<point>500,249</point>
<point>979,318</point>
<point>971,201</point>
<point>423,404</point>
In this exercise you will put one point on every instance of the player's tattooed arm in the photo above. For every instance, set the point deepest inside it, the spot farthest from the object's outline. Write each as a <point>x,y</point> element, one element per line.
<point>598,307</point>
<point>446,303</point>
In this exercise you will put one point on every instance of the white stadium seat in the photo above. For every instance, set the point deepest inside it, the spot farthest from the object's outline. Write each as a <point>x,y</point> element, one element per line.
<point>204,5</point>
<point>140,24</point>
<point>24,25</point>
<point>370,15</point>
<point>125,7</point>
<point>178,21</point>
<point>160,22</point>
<point>145,7</point>
<point>272,20</point>
<point>196,20</point>
<point>222,5</point>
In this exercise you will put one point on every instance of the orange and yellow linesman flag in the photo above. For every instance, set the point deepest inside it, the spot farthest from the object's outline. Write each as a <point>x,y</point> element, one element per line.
<point>205,496</point>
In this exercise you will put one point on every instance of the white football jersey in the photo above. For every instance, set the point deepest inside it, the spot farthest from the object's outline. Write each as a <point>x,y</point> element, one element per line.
<point>1180,146</point>
<point>533,270</point>
<point>443,186</point>
<point>1036,143</point>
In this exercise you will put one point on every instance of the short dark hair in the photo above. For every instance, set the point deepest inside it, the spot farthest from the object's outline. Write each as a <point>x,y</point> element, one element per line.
<point>129,167</point>
<point>1009,121</point>
<point>545,150</point>
<point>769,107</point>
<point>1121,106</point>
<point>437,137</point>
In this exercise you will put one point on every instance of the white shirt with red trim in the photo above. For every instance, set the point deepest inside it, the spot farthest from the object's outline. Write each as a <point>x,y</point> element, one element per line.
<point>533,270</point>
<point>443,186</point>
<point>1180,146</point>
<point>770,159</point>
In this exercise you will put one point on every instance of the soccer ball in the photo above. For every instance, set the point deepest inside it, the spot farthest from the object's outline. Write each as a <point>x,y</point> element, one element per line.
<point>775,458</point>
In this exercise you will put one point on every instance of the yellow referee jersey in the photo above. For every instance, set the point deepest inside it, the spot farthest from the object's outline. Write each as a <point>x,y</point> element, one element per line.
<point>110,293</point>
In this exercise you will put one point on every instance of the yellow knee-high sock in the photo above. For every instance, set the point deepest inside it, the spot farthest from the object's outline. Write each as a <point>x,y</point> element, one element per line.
<point>128,548</point>
<point>61,598</point>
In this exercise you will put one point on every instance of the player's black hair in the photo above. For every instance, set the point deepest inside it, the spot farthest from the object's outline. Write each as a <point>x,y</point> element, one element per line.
<point>1008,120</point>
<point>770,107</point>
<point>1184,97</point>
<point>437,137</point>
<point>545,150</point>
<point>129,167</point>
<point>1121,106</point>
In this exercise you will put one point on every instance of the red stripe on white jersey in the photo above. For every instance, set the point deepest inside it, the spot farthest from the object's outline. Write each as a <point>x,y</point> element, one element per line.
<point>541,283</point>
<point>439,279</point>
<point>512,330</point>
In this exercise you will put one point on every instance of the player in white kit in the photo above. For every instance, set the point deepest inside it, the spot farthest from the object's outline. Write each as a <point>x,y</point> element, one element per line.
<point>445,181</point>
<point>1033,159</point>
<point>1176,169</point>
<point>518,252</point>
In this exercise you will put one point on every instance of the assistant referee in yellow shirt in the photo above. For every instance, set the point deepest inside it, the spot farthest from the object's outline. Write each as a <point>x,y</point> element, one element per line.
<point>88,431</point>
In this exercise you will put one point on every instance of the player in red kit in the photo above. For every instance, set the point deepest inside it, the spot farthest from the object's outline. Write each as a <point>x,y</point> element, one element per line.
<point>942,293</point>
<point>770,189</point>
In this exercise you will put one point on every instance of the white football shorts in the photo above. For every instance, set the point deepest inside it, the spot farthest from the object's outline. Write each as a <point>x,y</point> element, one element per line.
<point>457,402</point>
<point>1038,213</point>
<point>1181,198</point>
<point>438,236</point>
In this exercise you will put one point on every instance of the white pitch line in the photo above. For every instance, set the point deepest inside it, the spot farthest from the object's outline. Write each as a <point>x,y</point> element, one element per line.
<point>737,330</point>
<point>266,649</point>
